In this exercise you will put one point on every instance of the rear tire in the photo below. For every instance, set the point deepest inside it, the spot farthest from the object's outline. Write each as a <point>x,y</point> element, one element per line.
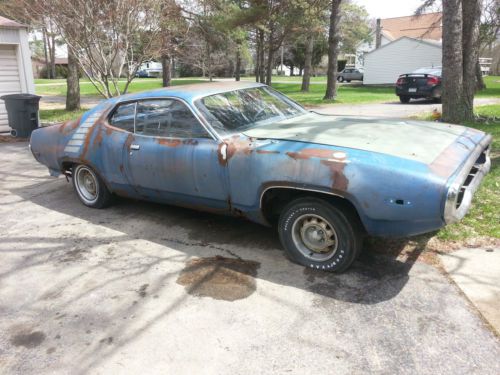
<point>404,99</point>
<point>318,235</point>
<point>90,187</point>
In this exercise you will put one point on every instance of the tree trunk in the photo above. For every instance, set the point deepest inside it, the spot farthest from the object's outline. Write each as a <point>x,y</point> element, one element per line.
<point>480,85</point>
<point>301,69</point>
<point>257,55</point>
<point>270,58</point>
<point>291,70</point>
<point>306,78</point>
<point>333,51</point>
<point>166,67</point>
<point>471,13</point>
<point>453,103</point>
<point>238,64</point>
<point>261,63</point>
<point>73,83</point>
<point>46,53</point>
<point>53,56</point>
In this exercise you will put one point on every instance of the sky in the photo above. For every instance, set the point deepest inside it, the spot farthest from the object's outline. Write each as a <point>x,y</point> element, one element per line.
<point>389,8</point>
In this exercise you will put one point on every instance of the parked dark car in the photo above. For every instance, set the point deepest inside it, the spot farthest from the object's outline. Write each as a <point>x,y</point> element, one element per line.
<point>350,74</point>
<point>244,149</point>
<point>422,83</point>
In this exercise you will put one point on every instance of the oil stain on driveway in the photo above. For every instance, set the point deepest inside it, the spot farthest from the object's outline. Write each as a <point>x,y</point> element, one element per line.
<point>142,288</point>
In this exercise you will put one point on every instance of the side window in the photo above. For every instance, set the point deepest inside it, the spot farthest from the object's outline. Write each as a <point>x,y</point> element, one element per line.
<point>167,118</point>
<point>123,117</point>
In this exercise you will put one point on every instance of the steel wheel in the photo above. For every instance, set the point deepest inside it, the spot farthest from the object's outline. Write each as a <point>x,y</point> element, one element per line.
<point>314,237</point>
<point>86,184</point>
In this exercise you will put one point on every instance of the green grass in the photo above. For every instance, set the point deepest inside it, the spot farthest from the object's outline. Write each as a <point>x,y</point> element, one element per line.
<point>484,217</point>
<point>60,115</point>
<point>353,94</point>
<point>88,89</point>
<point>347,94</point>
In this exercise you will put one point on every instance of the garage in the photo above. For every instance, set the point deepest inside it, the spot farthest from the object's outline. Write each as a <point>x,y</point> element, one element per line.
<point>405,55</point>
<point>15,64</point>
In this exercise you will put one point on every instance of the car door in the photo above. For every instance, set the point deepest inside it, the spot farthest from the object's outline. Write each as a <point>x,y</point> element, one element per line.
<point>172,157</point>
<point>347,74</point>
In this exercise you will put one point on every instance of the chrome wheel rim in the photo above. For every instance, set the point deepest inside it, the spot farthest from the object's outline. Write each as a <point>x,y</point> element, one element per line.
<point>315,237</point>
<point>86,184</point>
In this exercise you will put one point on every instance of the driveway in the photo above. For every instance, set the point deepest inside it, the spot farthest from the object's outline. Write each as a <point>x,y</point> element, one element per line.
<point>393,109</point>
<point>150,289</point>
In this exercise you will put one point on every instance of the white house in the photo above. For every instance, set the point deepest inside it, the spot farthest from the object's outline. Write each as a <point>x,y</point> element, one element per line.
<point>385,64</point>
<point>16,75</point>
<point>150,68</point>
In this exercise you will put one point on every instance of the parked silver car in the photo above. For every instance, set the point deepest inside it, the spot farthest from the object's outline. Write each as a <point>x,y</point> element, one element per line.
<point>350,74</point>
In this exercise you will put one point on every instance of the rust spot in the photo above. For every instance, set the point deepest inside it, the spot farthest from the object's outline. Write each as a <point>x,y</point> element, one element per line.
<point>321,153</point>
<point>448,161</point>
<point>220,156</point>
<point>129,140</point>
<point>236,145</point>
<point>98,137</point>
<point>340,181</point>
<point>220,278</point>
<point>69,126</point>
<point>169,142</point>
<point>109,130</point>
<point>267,152</point>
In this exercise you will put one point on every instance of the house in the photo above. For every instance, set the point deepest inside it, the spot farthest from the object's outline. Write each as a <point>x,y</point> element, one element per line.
<point>38,65</point>
<point>150,69</point>
<point>400,45</point>
<point>16,75</point>
<point>405,55</point>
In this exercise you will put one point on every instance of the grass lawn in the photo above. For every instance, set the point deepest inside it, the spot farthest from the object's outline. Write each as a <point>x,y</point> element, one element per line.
<point>348,94</point>
<point>60,115</point>
<point>88,89</point>
<point>484,217</point>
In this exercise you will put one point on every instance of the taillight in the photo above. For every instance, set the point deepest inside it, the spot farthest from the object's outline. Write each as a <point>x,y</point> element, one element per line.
<point>433,80</point>
<point>401,81</point>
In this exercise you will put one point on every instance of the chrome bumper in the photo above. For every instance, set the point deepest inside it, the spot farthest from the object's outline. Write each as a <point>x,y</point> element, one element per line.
<point>467,181</point>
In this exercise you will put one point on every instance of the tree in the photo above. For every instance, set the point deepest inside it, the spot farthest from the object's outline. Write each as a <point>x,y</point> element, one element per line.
<point>313,21</point>
<point>72,83</point>
<point>354,27</point>
<point>461,37</point>
<point>333,50</point>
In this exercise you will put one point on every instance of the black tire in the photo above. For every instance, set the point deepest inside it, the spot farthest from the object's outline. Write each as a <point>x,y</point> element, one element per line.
<point>340,79</point>
<point>84,178</point>
<point>348,80</point>
<point>437,100</point>
<point>404,99</point>
<point>301,216</point>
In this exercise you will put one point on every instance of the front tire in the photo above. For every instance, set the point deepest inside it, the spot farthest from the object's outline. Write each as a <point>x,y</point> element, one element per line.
<point>340,79</point>
<point>404,99</point>
<point>90,188</point>
<point>318,235</point>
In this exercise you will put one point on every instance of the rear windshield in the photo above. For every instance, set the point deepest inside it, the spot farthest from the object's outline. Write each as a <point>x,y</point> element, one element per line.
<point>434,71</point>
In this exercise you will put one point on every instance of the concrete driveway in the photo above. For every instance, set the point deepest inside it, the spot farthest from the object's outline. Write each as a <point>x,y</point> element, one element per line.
<point>393,109</point>
<point>148,289</point>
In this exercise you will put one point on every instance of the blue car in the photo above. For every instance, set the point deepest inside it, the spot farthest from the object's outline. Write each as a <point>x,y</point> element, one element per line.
<point>246,150</point>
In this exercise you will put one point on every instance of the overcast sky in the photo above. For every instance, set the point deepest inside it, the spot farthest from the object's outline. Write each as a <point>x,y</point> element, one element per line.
<point>390,8</point>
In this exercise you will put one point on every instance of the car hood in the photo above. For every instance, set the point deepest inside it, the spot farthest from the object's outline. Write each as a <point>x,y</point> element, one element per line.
<point>415,140</point>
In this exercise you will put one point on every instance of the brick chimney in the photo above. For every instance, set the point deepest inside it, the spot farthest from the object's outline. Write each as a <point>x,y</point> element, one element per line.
<point>378,34</point>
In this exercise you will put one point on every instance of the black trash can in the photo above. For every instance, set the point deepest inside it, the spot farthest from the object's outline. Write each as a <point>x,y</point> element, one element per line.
<point>22,112</point>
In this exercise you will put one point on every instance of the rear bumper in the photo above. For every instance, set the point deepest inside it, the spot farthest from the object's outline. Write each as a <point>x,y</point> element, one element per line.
<point>422,92</point>
<point>466,182</point>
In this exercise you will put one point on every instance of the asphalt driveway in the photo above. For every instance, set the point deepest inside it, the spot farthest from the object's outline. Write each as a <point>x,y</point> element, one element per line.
<point>149,289</point>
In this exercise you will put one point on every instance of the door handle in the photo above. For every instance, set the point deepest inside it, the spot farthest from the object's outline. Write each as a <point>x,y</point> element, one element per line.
<point>135,147</point>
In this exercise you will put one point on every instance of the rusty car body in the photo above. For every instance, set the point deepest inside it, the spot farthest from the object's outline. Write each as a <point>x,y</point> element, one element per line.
<point>383,177</point>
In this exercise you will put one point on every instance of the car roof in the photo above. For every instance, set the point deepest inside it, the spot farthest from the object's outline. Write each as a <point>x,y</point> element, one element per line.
<point>191,92</point>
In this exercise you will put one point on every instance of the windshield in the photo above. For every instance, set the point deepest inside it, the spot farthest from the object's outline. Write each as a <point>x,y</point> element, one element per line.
<point>435,71</point>
<point>235,111</point>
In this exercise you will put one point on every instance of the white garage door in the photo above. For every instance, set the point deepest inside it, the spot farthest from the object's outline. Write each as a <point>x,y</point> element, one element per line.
<point>9,79</point>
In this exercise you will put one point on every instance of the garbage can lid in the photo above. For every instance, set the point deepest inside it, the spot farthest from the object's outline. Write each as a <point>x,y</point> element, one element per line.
<point>20,96</point>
